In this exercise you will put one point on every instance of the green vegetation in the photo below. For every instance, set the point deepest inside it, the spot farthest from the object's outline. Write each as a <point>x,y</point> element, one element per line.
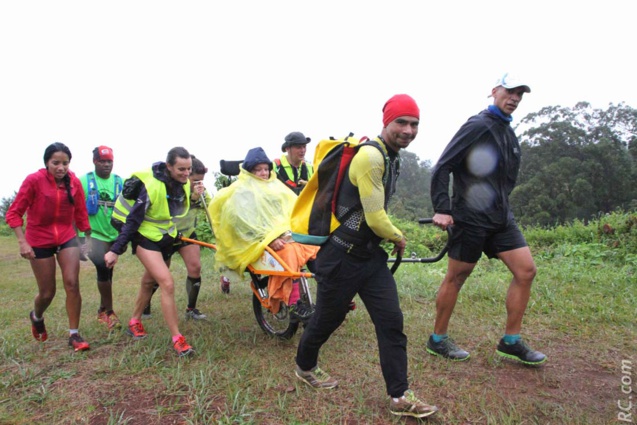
<point>582,315</point>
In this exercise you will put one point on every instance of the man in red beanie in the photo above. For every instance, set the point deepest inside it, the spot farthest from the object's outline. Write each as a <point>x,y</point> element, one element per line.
<point>484,159</point>
<point>352,262</point>
<point>101,189</point>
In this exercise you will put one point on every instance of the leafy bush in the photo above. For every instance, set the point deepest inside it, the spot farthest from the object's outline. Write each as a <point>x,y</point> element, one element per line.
<point>610,237</point>
<point>425,240</point>
<point>204,228</point>
<point>617,229</point>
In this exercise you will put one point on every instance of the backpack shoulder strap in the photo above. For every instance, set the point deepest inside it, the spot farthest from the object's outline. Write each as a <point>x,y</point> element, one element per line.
<point>90,181</point>
<point>373,143</point>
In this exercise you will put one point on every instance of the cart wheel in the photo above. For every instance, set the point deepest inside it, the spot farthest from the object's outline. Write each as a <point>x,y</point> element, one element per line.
<point>279,325</point>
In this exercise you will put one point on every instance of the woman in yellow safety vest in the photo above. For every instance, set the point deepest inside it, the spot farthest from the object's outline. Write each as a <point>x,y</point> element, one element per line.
<point>144,213</point>
<point>189,251</point>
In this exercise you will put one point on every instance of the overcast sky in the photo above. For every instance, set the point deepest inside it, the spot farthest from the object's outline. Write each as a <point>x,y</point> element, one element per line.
<point>221,77</point>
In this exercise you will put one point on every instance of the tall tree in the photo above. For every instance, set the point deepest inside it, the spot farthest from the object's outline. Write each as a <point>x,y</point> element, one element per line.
<point>576,162</point>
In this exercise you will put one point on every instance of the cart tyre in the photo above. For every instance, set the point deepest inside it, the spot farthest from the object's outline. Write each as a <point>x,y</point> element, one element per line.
<point>279,325</point>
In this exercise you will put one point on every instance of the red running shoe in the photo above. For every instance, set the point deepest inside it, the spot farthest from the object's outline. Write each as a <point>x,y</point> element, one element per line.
<point>77,343</point>
<point>102,317</point>
<point>136,330</point>
<point>37,328</point>
<point>112,321</point>
<point>182,347</point>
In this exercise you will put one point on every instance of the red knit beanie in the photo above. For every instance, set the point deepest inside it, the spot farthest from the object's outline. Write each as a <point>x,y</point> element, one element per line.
<point>400,105</point>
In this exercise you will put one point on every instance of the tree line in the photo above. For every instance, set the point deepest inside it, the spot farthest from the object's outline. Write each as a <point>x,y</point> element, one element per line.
<point>577,163</point>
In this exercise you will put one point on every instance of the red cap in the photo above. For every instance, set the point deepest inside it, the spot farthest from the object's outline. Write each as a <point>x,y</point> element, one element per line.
<point>400,105</point>
<point>103,153</point>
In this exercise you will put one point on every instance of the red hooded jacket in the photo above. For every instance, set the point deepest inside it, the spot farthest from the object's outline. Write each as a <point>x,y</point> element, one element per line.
<point>50,215</point>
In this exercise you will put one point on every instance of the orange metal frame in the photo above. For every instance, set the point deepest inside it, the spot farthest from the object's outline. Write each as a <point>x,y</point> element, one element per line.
<point>287,272</point>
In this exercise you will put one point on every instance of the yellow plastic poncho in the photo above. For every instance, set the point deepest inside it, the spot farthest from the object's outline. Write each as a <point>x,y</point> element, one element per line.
<point>247,216</point>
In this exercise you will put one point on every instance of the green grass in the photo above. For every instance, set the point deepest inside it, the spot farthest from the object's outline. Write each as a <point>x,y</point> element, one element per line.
<point>582,315</point>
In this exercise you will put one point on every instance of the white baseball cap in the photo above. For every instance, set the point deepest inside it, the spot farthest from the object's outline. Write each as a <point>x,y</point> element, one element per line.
<point>511,81</point>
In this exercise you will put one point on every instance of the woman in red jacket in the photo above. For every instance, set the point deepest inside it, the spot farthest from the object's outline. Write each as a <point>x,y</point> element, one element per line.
<point>53,199</point>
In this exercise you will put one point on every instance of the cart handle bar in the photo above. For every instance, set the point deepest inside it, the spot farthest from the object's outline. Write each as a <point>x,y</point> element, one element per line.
<point>437,258</point>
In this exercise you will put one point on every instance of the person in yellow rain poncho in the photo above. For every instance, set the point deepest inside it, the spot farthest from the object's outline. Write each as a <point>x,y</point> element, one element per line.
<point>252,213</point>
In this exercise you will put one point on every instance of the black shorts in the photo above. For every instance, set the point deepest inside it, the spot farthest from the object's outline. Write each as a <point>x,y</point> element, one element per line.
<point>50,252</point>
<point>164,245</point>
<point>469,242</point>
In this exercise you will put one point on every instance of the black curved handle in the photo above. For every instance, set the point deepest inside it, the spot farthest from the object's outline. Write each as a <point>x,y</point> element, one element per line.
<point>398,260</point>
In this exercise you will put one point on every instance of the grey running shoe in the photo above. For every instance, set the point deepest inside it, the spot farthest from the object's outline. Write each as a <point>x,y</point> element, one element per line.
<point>316,378</point>
<point>193,313</point>
<point>410,405</point>
<point>447,349</point>
<point>520,352</point>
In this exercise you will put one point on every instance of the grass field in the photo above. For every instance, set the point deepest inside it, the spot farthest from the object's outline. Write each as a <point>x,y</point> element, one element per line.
<point>582,315</point>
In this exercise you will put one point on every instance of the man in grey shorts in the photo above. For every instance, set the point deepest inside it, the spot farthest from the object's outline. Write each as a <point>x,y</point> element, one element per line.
<point>101,189</point>
<point>484,159</point>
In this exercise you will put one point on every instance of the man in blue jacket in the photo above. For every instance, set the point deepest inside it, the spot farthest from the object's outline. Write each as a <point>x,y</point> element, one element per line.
<point>484,159</point>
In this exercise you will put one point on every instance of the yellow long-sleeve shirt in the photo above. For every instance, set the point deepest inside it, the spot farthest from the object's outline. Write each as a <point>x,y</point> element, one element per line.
<point>366,173</point>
